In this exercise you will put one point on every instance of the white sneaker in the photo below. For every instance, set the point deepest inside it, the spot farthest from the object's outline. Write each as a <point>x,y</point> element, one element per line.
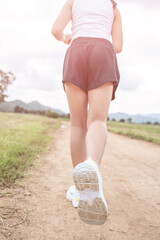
<point>73,195</point>
<point>92,206</point>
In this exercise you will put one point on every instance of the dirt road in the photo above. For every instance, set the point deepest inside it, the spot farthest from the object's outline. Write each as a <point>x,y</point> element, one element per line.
<point>131,178</point>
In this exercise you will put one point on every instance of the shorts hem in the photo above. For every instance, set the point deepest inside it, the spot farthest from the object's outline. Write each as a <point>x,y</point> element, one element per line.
<point>115,83</point>
<point>74,84</point>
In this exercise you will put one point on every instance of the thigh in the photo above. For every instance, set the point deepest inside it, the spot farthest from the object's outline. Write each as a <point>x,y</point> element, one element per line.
<point>78,104</point>
<point>99,101</point>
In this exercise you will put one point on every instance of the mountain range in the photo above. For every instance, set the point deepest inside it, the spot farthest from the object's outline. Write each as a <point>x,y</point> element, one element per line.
<point>136,118</point>
<point>35,105</point>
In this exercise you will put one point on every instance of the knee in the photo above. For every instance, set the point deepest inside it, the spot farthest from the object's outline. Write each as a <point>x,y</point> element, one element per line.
<point>94,118</point>
<point>79,123</point>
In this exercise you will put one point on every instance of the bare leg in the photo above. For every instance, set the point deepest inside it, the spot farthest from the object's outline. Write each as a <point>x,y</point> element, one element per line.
<point>96,140</point>
<point>78,103</point>
<point>78,144</point>
<point>99,100</point>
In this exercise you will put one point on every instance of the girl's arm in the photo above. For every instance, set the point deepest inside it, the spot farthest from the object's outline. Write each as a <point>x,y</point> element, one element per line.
<point>117,33</point>
<point>61,21</point>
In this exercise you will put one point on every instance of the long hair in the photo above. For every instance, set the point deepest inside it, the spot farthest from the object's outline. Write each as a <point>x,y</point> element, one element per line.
<point>114,3</point>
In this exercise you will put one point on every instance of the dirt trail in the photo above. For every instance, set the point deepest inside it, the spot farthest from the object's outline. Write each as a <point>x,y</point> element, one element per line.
<point>130,170</point>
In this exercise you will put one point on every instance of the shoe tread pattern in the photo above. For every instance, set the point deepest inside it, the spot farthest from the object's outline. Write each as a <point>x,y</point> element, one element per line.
<point>85,176</point>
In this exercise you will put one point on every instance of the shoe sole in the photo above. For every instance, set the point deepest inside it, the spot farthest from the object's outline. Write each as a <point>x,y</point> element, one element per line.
<point>91,207</point>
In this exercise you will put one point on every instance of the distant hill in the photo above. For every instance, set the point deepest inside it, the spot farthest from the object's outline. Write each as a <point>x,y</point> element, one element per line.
<point>137,118</point>
<point>154,115</point>
<point>34,106</point>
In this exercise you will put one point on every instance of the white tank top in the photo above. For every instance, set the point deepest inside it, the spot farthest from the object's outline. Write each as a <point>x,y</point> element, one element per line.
<point>92,18</point>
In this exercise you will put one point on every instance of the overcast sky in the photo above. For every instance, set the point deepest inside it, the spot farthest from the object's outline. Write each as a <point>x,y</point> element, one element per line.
<point>35,57</point>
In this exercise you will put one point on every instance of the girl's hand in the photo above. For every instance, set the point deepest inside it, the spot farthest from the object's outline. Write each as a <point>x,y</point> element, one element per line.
<point>67,38</point>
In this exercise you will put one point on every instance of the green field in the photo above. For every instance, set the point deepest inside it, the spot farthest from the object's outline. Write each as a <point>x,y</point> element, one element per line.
<point>22,137</point>
<point>145,132</point>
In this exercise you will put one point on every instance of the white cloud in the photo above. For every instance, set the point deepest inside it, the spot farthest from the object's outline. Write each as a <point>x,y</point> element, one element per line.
<point>29,50</point>
<point>42,74</point>
<point>130,81</point>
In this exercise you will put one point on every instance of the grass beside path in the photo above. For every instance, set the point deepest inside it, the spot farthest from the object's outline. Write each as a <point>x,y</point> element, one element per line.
<point>145,132</point>
<point>22,137</point>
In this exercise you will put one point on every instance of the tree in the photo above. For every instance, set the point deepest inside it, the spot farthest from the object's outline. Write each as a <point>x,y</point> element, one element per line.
<point>113,120</point>
<point>19,109</point>
<point>148,122</point>
<point>6,78</point>
<point>68,115</point>
<point>129,120</point>
<point>52,114</point>
<point>156,123</point>
<point>122,120</point>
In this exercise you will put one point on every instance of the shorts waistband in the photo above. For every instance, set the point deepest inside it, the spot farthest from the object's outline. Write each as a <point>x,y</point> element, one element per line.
<point>90,39</point>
